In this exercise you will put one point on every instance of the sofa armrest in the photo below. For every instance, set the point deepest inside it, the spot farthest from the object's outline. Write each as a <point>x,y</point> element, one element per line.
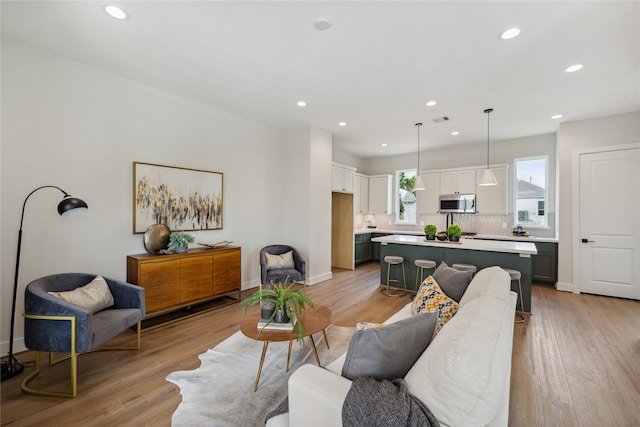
<point>316,396</point>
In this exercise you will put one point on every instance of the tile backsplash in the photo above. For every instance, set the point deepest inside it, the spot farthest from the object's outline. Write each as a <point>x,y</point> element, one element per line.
<point>481,224</point>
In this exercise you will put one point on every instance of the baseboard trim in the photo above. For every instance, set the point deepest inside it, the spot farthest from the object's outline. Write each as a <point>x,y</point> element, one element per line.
<point>566,287</point>
<point>320,278</point>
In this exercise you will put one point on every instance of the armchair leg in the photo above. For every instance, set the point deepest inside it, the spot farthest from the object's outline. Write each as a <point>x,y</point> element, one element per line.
<point>74,360</point>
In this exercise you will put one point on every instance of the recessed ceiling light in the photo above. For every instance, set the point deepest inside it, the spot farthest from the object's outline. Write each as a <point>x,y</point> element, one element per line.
<point>323,24</point>
<point>301,104</point>
<point>383,145</point>
<point>431,103</point>
<point>557,116</point>
<point>116,12</point>
<point>455,132</point>
<point>573,68</point>
<point>342,123</point>
<point>510,34</point>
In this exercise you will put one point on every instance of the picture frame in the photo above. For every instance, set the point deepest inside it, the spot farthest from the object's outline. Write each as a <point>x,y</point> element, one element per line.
<point>183,199</point>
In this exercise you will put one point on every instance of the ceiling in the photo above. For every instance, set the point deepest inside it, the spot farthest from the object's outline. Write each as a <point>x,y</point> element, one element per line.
<point>374,68</point>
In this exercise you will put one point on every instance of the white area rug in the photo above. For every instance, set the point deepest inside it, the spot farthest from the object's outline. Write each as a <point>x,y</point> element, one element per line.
<point>220,392</point>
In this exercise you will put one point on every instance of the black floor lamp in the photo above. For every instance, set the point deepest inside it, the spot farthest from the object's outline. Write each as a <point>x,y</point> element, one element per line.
<point>68,207</point>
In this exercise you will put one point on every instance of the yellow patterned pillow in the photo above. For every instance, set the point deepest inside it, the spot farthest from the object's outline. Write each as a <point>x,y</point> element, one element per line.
<point>430,298</point>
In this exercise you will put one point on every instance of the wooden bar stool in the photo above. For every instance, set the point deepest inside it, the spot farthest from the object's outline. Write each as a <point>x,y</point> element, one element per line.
<point>466,267</point>
<point>394,260</point>
<point>516,275</point>
<point>421,265</point>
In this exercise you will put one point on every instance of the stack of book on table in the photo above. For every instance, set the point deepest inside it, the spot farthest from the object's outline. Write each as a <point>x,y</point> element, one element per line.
<point>263,324</point>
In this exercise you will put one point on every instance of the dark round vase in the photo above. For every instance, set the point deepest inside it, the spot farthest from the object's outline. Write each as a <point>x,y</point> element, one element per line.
<point>431,237</point>
<point>454,238</point>
<point>266,309</point>
<point>281,316</point>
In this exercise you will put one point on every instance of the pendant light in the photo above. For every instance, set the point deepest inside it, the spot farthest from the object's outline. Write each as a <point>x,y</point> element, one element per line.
<point>418,184</point>
<point>488,178</point>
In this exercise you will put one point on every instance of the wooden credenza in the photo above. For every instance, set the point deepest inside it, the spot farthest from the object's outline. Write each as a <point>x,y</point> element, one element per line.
<point>173,282</point>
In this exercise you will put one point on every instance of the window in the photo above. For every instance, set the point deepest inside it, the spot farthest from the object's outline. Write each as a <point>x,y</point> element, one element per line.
<point>405,197</point>
<point>531,192</point>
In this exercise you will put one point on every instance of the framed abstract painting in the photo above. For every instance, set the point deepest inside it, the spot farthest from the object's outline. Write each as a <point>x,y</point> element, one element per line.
<point>182,199</point>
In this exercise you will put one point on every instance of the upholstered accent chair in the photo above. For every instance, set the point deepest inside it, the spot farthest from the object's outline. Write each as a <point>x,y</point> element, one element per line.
<point>270,272</point>
<point>54,325</point>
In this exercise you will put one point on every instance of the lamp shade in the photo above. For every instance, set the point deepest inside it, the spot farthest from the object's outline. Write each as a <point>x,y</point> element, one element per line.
<point>72,206</point>
<point>418,184</point>
<point>488,178</point>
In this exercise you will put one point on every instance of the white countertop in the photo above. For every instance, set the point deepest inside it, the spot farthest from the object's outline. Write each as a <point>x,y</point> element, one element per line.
<point>478,236</point>
<point>518,247</point>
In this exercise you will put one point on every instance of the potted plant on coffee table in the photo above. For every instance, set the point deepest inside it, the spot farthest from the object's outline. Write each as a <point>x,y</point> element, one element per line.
<point>288,304</point>
<point>454,231</point>
<point>430,231</point>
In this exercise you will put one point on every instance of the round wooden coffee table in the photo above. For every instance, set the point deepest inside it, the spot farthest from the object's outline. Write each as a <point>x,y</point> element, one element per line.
<point>311,324</point>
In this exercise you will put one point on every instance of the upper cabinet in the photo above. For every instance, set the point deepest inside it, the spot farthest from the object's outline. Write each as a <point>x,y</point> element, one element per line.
<point>429,198</point>
<point>458,181</point>
<point>380,191</point>
<point>361,194</point>
<point>342,178</point>
<point>492,199</point>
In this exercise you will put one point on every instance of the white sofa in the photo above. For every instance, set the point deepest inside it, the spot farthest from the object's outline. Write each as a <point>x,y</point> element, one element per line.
<point>463,376</point>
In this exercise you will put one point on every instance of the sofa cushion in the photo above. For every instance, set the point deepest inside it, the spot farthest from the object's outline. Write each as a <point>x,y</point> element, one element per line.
<point>461,376</point>
<point>388,352</point>
<point>431,299</point>
<point>94,296</point>
<point>492,281</point>
<point>453,282</point>
<point>277,262</point>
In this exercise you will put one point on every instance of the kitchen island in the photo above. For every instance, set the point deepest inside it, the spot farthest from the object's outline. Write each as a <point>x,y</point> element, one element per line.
<point>481,253</point>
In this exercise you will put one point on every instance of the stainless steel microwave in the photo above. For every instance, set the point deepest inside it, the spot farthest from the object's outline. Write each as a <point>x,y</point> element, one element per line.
<point>458,203</point>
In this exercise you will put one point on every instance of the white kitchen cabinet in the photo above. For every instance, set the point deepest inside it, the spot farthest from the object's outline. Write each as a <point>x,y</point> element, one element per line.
<point>342,178</point>
<point>380,192</point>
<point>458,181</point>
<point>492,199</point>
<point>361,194</point>
<point>429,198</point>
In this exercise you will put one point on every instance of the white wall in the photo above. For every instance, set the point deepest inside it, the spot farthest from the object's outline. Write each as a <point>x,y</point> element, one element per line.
<point>572,136</point>
<point>80,128</point>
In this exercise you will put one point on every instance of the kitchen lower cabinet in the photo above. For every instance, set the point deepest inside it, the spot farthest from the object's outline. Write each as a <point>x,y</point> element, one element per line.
<point>544,266</point>
<point>362,248</point>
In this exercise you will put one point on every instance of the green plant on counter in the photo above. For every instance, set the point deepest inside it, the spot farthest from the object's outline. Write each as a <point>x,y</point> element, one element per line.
<point>430,230</point>
<point>180,240</point>
<point>454,230</point>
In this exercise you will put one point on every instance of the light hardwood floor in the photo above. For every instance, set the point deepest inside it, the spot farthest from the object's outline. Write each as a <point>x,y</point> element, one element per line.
<point>576,361</point>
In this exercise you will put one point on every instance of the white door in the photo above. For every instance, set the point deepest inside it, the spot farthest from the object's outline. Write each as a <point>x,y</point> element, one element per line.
<point>610,223</point>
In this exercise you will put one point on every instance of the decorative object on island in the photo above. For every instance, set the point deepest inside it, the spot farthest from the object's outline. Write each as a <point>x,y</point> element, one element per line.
<point>68,207</point>
<point>442,236</point>
<point>183,199</point>
<point>289,304</point>
<point>156,238</point>
<point>430,231</point>
<point>418,184</point>
<point>454,231</point>
<point>179,242</point>
<point>488,178</point>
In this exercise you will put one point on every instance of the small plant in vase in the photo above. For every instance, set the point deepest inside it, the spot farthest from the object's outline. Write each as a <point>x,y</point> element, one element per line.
<point>287,305</point>
<point>430,231</point>
<point>454,231</point>
<point>179,242</point>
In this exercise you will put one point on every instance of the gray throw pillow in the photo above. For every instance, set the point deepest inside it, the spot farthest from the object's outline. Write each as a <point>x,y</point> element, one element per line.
<point>452,282</point>
<point>388,352</point>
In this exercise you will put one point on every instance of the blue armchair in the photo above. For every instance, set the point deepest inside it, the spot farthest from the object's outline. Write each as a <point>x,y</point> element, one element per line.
<point>297,273</point>
<point>54,325</point>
